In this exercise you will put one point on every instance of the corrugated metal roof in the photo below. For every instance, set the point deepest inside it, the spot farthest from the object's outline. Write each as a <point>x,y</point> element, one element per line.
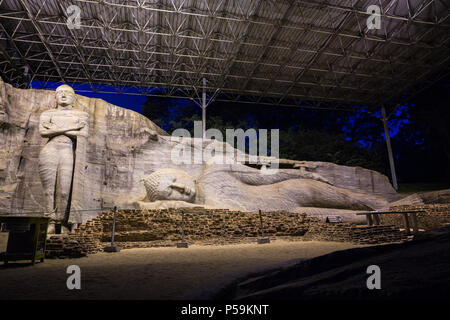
<point>280,51</point>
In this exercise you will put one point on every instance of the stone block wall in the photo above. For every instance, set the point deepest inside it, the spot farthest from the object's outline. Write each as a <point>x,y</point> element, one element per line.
<point>158,228</point>
<point>162,226</point>
<point>347,232</point>
<point>435,216</point>
<point>71,246</point>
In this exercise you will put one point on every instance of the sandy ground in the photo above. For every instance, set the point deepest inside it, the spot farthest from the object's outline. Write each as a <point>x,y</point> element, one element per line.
<point>155,273</point>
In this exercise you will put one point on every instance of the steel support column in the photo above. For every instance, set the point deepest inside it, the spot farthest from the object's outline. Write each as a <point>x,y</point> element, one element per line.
<point>204,105</point>
<point>389,148</point>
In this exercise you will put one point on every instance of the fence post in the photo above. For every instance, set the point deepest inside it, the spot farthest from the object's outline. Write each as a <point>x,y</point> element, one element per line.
<point>405,217</point>
<point>113,227</point>
<point>414,223</point>
<point>263,239</point>
<point>182,244</point>
<point>113,248</point>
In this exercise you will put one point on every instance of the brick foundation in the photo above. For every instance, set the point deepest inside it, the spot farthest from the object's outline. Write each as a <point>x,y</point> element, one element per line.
<point>161,228</point>
<point>435,216</point>
<point>71,246</point>
<point>347,232</point>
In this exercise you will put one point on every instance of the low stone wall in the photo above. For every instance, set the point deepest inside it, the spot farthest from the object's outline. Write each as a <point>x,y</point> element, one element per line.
<point>347,232</point>
<point>200,225</point>
<point>72,246</point>
<point>162,228</point>
<point>435,216</point>
<point>149,228</point>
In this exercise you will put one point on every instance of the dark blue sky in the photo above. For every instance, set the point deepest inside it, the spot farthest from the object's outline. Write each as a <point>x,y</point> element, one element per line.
<point>130,99</point>
<point>133,99</point>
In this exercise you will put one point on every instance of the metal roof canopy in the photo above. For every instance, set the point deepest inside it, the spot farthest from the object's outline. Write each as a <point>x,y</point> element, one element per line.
<point>270,52</point>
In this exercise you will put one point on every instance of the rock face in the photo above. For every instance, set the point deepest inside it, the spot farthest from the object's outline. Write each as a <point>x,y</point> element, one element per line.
<point>351,178</point>
<point>419,198</point>
<point>118,144</point>
<point>247,189</point>
<point>62,161</point>
<point>123,147</point>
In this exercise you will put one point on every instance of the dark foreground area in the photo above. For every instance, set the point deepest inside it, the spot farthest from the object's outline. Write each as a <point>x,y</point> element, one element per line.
<point>419,269</point>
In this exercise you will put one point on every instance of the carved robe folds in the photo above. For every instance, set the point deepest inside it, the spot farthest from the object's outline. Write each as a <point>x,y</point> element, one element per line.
<point>62,159</point>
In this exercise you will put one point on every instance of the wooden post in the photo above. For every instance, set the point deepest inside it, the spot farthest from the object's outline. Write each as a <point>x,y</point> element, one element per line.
<point>389,147</point>
<point>182,226</point>
<point>369,219</point>
<point>263,239</point>
<point>114,227</point>
<point>376,218</point>
<point>405,216</point>
<point>182,244</point>
<point>414,222</point>
<point>113,248</point>
<point>45,239</point>
<point>36,240</point>
<point>261,224</point>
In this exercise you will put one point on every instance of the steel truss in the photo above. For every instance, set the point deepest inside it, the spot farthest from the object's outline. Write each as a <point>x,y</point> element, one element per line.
<point>288,53</point>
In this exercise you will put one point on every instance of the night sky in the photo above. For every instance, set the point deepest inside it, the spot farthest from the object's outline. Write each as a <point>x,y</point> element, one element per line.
<point>417,128</point>
<point>132,99</point>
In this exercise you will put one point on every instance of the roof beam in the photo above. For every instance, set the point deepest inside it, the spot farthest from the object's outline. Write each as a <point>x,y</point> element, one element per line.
<point>134,70</point>
<point>40,34</point>
<point>135,84</point>
<point>276,65</point>
<point>95,24</point>
<point>22,58</point>
<point>337,61</point>
<point>76,44</point>
<point>293,51</point>
<point>127,47</point>
<point>269,42</point>
<point>353,8</point>
<point>234,55</point>
<point>372,52</point>
<point>192,11</point>
<point>316,55</point>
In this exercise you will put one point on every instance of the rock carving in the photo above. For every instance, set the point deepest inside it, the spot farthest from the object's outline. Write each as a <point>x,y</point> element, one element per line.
<point>63,127</point>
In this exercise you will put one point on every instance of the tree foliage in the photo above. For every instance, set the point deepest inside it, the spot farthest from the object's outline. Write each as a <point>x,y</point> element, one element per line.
<point>420,132</point>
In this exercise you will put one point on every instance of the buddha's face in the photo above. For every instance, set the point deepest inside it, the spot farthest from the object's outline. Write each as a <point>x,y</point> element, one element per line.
<point>170,184</point>
<point>176,188</point>
<point>65,97</point>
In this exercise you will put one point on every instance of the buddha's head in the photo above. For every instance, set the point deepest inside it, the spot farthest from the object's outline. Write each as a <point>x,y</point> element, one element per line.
<point>65,96</point>
<point>170,184</point>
